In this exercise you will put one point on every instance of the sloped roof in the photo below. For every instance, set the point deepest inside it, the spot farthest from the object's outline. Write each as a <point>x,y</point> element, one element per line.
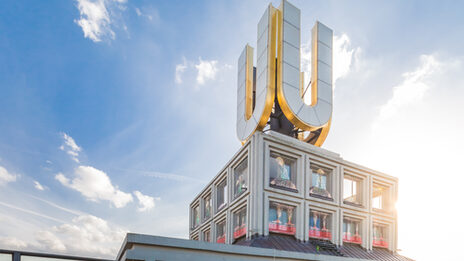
<point>289,243</point>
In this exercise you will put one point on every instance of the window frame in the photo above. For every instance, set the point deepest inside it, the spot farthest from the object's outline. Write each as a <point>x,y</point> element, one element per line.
<point>298,204</point>
<point>203,235</point>
<point>392,194</point>
<point>243,231</point>
<point>192,216</point>
<point>203,207</point>
<point>363,218</point>
<point>335,176</point>
<point>364,180</point>
<point>222,218</point>
<point>223,178</point>
<point>390,225</point>
<point>298,156</point>
<point>328,209</point>
<point>244,155</point>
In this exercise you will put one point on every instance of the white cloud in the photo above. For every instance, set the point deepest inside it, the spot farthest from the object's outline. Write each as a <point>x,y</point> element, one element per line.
<point>6,177</point>
<point>145,202</point>
<point>95,19</point>
<point>12,243</point>
<point>413,87</point>
<point>343,55</point>
<point>84,234</point>
<point>180,68</point>
<point>206,71</point>
<point>343,59</point>
<point>38,186</point>
<point>95,185</point>
<point>137,10</point>
<point>50,241</point>
<point>70,146</point>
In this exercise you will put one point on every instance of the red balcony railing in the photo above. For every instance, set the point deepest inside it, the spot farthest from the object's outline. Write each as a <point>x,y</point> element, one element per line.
<point>288,229</point>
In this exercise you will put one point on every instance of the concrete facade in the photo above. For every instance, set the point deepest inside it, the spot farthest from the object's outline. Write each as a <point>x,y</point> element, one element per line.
<point>259,194</point>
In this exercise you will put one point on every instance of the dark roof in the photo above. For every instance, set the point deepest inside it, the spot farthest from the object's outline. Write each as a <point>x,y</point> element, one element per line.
<point>289,243</point>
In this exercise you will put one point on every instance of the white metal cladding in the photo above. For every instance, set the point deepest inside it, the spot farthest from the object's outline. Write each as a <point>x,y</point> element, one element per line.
<point>319,114</point>
<point>245,128</point>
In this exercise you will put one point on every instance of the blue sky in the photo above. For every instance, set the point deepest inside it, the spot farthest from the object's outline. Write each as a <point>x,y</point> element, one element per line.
<point>139,98</point>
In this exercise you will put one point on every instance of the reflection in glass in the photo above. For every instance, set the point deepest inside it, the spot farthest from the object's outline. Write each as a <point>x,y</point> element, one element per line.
<point>380,236</point>
<point>319,225</point>
<point>282,172</point>
<point>207,207</point>
<point>351,230</point>
<point>352,190</point>
<point>281,218</point>
<point>320,181</point>
<point>196,216</point>
<point>207,236</point>
<point>240,223</point>
<point>221,232</point>
<point>379,197</point>
<point>221,194</point>
<point>240,177</point>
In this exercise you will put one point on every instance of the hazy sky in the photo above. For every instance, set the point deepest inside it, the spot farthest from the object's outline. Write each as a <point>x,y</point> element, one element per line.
<point>115,113</point>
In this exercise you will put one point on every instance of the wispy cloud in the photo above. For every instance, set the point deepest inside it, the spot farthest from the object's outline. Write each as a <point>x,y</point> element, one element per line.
<point>180,68</point>
<point>38,186</point>
<point>70,147</point>
<point>6,177</point>
<point>95,19</point>
<point>95,185</point>
<point>31,212</point>
<point>412,89</point>
<point>203,70</point>
<point>71,211</point>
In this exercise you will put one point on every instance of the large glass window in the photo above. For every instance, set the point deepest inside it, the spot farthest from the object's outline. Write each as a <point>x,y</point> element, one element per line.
<point>221,195</point>
<point>352,190</point>
<point>207,207</point>
<point>240,226</point>
<point>380,197</point>
<point>380,237</point>
<point>352,230</point>
<point>282,172</point>
<point>240,178</point>
<point>6,257</point>
<point>221,232</point>
<point>281,218</point>
<point>320,225</point>
<point>196,217</point>
<point>321,179</point>
<point>207,236</point>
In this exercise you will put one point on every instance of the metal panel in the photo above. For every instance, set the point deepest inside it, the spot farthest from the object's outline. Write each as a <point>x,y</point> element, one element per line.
<point>324,54</point>
<point>291,14</point>
<point>324,73</point>
<point>291,75</point>
<point>291,34</point>
<point>291,55</point>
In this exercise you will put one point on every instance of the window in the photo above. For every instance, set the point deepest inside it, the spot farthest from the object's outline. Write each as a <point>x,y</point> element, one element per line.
<point>352,230</point>
<point>320,181</point>
<point>221,232</point>
<point>380,197</point>
<point>320,225</point>
<point>240,177</point>
<point>196,217</point>
<point>207,236</point>
<point>240,223</point>
<point>352,187</point>
<point>281,218</point>
<point>380,236</point>
<point>282,172</point>
<point>221,195</point>
<point>207,207</point>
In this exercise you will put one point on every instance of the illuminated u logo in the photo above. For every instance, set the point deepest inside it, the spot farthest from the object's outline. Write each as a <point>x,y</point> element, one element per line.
<point>278,71</point>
